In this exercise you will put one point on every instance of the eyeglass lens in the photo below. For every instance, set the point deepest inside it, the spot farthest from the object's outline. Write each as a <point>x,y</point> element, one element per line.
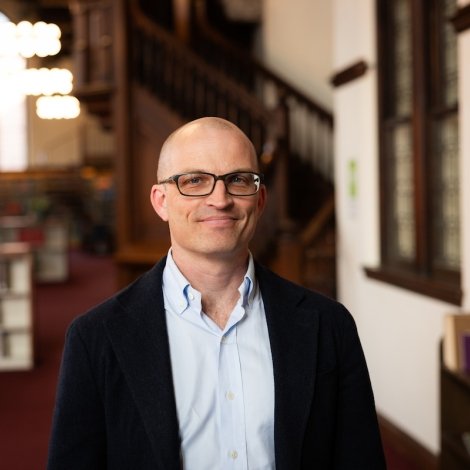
<point>200,184</point>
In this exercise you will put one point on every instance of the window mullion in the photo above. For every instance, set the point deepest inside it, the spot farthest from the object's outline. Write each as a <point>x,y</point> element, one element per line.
<point>420,144</point>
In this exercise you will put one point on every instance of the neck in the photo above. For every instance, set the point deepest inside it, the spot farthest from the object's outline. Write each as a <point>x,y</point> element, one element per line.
<point>217,279</point>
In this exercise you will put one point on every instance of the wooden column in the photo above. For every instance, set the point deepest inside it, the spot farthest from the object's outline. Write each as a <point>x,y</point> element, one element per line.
<point>181,9</point>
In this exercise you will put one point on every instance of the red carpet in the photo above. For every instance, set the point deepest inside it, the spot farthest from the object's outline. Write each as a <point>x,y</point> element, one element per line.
<point>27,398</point>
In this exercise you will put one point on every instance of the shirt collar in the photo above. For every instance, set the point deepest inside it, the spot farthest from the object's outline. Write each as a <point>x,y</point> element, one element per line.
<point>247,288</point>
<point>177,286</point>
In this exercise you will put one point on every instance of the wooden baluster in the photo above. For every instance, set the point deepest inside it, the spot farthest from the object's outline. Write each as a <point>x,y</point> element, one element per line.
<point>81,45</point>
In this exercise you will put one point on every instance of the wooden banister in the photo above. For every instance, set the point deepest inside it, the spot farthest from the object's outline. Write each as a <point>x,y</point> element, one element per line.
<point>187,84</point>
<point>194,85</point>
<point>310,126</point>
<point>153,74</point>
<point>235,55</point>
<point>183,80</point>
<point>316,225</point>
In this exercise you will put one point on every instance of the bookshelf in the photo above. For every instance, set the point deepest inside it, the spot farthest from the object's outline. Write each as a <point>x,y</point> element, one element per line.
<point>16,307</point>
<point>455,419</point>
<point>49,240</point>
<point>52,258</point>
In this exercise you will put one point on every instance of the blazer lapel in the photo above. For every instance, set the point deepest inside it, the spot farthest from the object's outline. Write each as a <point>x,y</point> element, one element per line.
<point>293,331</point>
<point>139,337</point>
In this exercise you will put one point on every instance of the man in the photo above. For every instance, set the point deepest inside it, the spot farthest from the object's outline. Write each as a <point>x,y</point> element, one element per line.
<point>210,361</point>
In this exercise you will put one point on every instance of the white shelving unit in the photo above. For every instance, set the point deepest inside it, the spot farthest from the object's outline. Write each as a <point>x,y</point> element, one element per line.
<point>52,262</point>
<point>49,240</point>
<point>16,307</point>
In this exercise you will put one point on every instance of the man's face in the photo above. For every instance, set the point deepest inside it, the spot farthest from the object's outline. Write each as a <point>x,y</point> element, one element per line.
<point>218,224</point>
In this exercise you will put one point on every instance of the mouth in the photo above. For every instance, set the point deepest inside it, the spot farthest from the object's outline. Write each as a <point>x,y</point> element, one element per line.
<point>219,220</point>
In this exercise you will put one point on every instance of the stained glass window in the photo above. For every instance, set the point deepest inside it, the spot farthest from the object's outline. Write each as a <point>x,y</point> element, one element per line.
<point>445,148</point>
<point>399,105</point>
<point>419,145</point>
<point>402,70</point>
<point>403,213</point>
<point>447,225</point>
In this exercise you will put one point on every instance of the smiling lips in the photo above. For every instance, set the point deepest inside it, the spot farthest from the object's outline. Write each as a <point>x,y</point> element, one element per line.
<point>219,220</point>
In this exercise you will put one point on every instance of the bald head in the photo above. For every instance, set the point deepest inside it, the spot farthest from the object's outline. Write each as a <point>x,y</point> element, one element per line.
<point>196,130</point>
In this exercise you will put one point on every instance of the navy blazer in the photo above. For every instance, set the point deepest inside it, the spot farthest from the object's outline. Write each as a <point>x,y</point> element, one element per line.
<point>115,406</point>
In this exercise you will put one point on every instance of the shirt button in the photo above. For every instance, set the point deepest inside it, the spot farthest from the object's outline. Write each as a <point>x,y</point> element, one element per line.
<point>230,395</point>
<point>233,454</point>
<point>191,296</point>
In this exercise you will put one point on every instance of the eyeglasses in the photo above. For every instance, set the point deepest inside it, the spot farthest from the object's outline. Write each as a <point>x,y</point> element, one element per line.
<point>238,183</point>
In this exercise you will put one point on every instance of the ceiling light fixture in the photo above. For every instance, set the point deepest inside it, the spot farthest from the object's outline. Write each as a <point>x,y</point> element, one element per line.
<point>45,81</point>
<point>52,86</point>
<point>57,107</point>
<point>27,39</point>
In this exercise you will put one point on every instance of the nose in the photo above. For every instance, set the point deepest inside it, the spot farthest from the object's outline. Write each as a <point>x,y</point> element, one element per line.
<point>220,198</point>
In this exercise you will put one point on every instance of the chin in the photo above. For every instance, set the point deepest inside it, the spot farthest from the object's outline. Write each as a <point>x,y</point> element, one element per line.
<point>222,250</point>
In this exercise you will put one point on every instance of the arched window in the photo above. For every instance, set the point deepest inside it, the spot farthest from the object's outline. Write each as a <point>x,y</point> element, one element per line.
<point>13,119</point>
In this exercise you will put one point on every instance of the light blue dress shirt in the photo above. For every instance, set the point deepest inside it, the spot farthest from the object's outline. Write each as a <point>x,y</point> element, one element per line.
<point>223,379</point>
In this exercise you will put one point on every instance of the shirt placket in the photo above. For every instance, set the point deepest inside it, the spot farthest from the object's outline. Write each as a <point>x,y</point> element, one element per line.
<point>231,404</point>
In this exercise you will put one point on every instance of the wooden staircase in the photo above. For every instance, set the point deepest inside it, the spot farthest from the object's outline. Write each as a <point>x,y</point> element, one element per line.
<point>149,82</point>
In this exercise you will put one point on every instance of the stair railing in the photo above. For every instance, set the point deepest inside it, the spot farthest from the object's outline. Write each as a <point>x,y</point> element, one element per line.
<point>181,79</point>
<point>178,77</point>
<point>281,121</point>
<point>309,127</point>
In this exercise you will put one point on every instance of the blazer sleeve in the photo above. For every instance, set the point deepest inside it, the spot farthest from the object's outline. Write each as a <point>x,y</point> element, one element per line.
<point>78,429</point>
<point>358,441</point>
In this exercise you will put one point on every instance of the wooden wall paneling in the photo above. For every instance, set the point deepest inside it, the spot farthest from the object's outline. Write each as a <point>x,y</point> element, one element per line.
<point>152,123</point>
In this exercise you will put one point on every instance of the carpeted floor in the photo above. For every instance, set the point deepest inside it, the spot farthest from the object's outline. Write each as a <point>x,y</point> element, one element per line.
<point>27,398</point>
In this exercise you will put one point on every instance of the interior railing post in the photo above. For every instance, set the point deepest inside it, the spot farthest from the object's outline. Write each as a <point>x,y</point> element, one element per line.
<point>283,148</point>
<point>81,43</point>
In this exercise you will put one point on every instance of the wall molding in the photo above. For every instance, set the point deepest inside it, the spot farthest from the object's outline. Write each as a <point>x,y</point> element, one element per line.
<point>461,19</point>
<point>403,444</point>
<point>348,74</point>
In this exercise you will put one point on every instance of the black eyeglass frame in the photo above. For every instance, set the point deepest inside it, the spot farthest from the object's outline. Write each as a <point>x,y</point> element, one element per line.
<point>175,178</point>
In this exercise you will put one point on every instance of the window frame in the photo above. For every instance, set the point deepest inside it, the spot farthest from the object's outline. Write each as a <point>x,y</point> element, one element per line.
<point>421,274</point>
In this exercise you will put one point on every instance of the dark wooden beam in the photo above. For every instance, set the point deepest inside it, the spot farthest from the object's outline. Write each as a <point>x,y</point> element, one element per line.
<point>461,19</point>
<point>349,74</point>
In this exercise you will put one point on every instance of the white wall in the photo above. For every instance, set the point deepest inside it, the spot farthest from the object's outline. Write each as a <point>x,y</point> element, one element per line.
<point>464,115</point>
<point>296,43</point>
<point>400,330</point>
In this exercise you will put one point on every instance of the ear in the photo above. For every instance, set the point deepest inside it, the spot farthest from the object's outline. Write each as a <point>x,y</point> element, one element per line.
<point>262,199</point>
<point>158,200</point>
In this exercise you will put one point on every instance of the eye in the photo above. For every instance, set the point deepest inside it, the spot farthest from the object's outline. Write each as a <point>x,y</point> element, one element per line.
<point>240,179</point>
<point>193,179</point>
